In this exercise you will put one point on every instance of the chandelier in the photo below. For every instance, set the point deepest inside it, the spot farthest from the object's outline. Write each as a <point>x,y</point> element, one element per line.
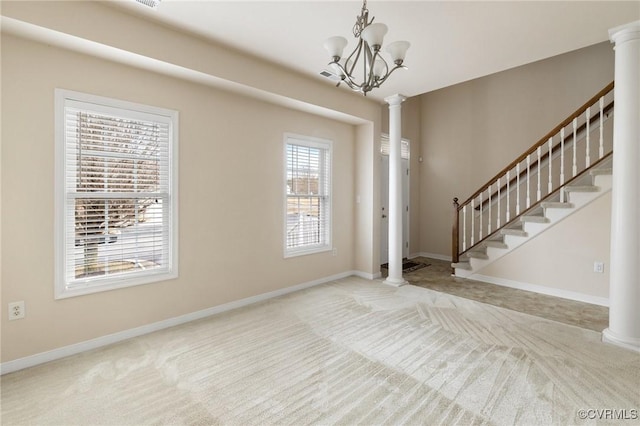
<point>365,60</point>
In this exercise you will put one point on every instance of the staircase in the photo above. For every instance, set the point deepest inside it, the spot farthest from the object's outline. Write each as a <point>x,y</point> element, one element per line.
<point>595,184</point>
<point>563,172</point>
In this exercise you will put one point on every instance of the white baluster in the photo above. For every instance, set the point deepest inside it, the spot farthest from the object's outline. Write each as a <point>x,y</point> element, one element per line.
<point>517,189</point>
<point>601,150</point>
<point>550,162</point>
<point>499,211</point>
<point>473,221</point>
<point>489,221</point>
<point>587,159</point>
<point>562,164</point>
<point>464,228</point>
<point>574,168</point>
<point>539,191</point>
<point>528,171</point>
<point>508,215</point>
<point>481,223</point>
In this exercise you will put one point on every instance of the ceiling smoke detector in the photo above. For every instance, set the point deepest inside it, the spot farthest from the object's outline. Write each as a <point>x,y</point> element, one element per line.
<point>149,3</point>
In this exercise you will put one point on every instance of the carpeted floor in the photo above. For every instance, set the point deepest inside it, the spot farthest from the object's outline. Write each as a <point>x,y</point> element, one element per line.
<point>348,352</point>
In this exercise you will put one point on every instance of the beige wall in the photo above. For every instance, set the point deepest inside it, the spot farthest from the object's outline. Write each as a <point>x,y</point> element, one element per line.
<point>230,236</point>
<point>366,221</point>
<point>231,205</point>
<point>470,131</point>
<point>562,259</point>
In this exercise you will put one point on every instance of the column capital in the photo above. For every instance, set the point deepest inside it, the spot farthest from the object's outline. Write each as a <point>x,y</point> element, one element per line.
<point>626,32</point>
<point>396,99</point>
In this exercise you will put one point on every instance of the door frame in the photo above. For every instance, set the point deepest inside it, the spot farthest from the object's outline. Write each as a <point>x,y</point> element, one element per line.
<point>406,198</point>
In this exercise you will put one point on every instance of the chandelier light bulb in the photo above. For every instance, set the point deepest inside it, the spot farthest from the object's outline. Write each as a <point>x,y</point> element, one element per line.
<point>379,68</point>
<point>374,34</point>
<point>335,46</point>
<point>398,50</point>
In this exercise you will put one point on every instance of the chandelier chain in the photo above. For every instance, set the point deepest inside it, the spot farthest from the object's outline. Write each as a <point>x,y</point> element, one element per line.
<point>361,20</point>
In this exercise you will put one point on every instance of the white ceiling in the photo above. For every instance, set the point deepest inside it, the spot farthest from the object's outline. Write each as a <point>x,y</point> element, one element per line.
<point>451,41</point>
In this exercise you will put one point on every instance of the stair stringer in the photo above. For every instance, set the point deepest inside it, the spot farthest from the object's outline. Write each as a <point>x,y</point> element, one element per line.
<point>603,183</point>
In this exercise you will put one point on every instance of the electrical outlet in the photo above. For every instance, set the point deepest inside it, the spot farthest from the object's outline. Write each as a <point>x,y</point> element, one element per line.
<point>598,267</point>
<point>16,310</point>
<point>335,251</point>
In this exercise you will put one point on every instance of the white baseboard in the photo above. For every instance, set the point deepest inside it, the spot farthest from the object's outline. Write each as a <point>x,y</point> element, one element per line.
<point>366,275</point>
<point>612,338</point>
<point>432,256</point>
<point>565,294</point>
<point>41,358</point>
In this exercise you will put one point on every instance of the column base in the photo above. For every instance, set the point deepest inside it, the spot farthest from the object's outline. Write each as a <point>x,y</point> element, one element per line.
<point>630,343</point>
<point>395,282</point>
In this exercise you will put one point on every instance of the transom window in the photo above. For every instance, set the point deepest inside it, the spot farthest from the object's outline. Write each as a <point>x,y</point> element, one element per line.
<point>404,147</point>
<point>116,192</point>
<point>308,195</point>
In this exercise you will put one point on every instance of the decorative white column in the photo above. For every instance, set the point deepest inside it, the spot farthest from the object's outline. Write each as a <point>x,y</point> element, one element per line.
<point>395,191</point>
<point>624,286</point>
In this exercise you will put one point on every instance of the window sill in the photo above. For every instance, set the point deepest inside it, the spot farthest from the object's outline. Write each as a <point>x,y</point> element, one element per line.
<point>306,251</point>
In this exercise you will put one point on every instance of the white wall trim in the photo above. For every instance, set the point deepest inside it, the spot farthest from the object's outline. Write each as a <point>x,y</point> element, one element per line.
<point>565,294</point>
<point>612,338</point>
<point>431,255</point>
<point>367,275</point>
<point>65,351</point>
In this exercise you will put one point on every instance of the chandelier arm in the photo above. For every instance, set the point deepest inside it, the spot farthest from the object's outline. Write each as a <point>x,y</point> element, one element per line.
<point>367,57</point>
<point>345,77</point>
<point>386,68</point>
<point>369,79</point>
<point>372,81</point>
<point>382,80</point>
<point>340,67</point>
<point>356,52</point>
<point>351,84</point>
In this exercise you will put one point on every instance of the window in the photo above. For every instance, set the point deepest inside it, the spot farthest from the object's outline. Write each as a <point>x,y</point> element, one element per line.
<point>308,195</point>
<point>404,147</point>
<point>116,194</point>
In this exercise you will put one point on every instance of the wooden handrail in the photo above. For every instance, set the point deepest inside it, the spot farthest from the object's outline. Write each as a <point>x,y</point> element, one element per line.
<point>542,141</point>
<point>534,166</point>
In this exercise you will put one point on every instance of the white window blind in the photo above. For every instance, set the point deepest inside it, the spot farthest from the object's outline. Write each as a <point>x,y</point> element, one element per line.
<point>308,195</point>
<point>404,147</point>
<point>118,194</point>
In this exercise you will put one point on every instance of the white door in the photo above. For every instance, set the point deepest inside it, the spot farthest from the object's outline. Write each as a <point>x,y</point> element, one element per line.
<point>384,202</point>
<point>384,213</point>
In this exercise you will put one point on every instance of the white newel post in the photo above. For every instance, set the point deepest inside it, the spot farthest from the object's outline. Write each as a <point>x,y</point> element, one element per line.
<point>624,287</point>
<point>395,191</point>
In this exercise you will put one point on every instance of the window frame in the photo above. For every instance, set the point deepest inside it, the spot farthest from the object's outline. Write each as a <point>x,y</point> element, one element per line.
<point>311,142</point>
<point>62,288</point>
